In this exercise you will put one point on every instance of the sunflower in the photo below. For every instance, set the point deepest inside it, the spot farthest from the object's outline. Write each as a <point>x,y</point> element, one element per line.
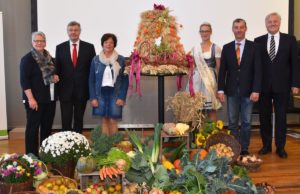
<point>200,139</point>
<point>219,124</point>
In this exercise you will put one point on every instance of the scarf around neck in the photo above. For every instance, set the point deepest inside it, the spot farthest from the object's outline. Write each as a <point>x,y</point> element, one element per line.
<point>112,60</point>
<point>46,65</point>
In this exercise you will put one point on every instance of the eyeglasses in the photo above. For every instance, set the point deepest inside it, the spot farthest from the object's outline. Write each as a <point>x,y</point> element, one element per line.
<point>204,31</point>
<point>39,41</point>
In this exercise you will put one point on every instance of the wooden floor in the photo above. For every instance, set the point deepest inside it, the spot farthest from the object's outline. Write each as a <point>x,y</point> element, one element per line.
<point>284,174</point>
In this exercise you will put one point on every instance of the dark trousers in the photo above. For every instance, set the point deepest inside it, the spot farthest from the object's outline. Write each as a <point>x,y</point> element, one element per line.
<point>280,102</point>
<point>68,110</point>
<point>39,124</point>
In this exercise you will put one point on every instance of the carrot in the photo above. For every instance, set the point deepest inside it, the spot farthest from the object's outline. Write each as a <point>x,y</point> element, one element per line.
<point>114,170</point>
<point>109,172</point>
<point>101,174</point>
<point>104,172</point>
<point>120,171</point>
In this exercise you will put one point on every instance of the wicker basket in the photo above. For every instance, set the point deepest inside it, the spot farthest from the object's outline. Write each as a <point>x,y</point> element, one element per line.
<point>26,192</point>
<point>37,181</point>
<point>67,170</point>
<point>266,188</point>
<point>16,187</point>
<point>226,139</point>
<point>53,178</point>
<point>250,166</point>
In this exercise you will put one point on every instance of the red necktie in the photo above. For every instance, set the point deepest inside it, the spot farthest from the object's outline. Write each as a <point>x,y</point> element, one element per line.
<point>74,55</point>
<point>238,52</point>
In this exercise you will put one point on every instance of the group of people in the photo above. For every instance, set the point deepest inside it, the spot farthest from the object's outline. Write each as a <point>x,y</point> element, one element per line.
<point>264,71</point>
<point>75,76</point>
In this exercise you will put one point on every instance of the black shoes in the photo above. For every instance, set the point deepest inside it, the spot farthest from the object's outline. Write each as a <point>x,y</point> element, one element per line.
<point>244,153</point>
<point>264,151</point>
<point>281,153</point>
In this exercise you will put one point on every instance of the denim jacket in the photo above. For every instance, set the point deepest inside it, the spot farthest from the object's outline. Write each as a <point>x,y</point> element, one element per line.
<point>96,76</point>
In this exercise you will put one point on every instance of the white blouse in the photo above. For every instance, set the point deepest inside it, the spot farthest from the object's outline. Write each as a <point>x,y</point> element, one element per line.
<point>107,77</point>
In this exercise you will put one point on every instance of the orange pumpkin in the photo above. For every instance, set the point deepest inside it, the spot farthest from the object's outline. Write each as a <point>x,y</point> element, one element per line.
<point>202,153</point>
<point>177,165</point>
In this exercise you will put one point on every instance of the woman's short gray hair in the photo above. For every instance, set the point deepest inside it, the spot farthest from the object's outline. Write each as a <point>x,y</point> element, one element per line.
<point>38,33</point>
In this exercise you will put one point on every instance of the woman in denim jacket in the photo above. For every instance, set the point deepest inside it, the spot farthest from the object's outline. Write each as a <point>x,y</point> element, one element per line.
<point>108,84</point>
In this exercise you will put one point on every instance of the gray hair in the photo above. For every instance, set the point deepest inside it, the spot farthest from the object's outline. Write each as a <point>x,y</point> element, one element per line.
<point>37,33</point>
<point>272,14</point>
<point>205,24</point>
<point>74,23</point>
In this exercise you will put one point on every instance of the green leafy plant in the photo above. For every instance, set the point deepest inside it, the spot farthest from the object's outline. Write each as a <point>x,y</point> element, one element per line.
<point>102,143</point>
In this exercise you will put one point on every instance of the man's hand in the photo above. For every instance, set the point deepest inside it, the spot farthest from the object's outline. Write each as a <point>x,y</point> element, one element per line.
<point>221,97</point>
<point>254,97</point>
<point>94,103</point>
<point>33,104</point>
<point>295,90</point>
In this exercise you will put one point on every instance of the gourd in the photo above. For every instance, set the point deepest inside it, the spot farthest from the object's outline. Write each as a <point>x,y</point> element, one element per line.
<point>86,164</point>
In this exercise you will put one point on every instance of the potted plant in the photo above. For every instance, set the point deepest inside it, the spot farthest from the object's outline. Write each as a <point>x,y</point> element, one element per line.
<point>63,149</point>
<point>207,129</point>
<point>17,172</point>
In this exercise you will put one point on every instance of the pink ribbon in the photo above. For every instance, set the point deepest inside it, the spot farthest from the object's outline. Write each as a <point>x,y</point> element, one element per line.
<point>135,66</point>
<point>190,61</point>
<point>179,82</point>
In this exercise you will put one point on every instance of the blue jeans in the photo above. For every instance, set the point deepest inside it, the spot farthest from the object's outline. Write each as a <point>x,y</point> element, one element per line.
<point>240,107</point>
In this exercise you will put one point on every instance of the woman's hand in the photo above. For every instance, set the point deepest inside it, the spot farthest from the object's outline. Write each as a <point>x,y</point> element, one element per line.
<point>120,102</point>
<point>56,78</point>
<point>33,104</point>
<point>94,103</point>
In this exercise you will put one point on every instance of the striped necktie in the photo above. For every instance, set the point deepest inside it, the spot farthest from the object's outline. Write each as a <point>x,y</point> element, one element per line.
<point>272,49</point>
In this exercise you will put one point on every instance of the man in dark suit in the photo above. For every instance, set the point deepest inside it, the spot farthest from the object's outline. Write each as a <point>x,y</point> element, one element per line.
<point>240,79</point>
<point>280,69</point>
<point>73,59</point>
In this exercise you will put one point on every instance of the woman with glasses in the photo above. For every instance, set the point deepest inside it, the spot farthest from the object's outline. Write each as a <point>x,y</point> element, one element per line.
<point>207,62</point>
<point>38,80</point>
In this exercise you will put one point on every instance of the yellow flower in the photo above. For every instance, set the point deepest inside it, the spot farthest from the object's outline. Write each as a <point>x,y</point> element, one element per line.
<point>219,124</point>
<point>28,174</point>
<point>199,139</point>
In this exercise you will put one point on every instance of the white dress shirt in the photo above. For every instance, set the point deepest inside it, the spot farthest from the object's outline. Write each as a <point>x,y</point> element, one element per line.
<point>242,46</point>
<point>71,47</point>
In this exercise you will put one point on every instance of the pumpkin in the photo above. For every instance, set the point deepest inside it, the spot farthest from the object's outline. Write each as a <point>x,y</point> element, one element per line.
<point>202,153</point>
<point>86,164</point>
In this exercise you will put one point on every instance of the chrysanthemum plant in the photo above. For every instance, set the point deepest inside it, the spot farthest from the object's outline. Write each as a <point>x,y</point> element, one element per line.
<point>62,147</point>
